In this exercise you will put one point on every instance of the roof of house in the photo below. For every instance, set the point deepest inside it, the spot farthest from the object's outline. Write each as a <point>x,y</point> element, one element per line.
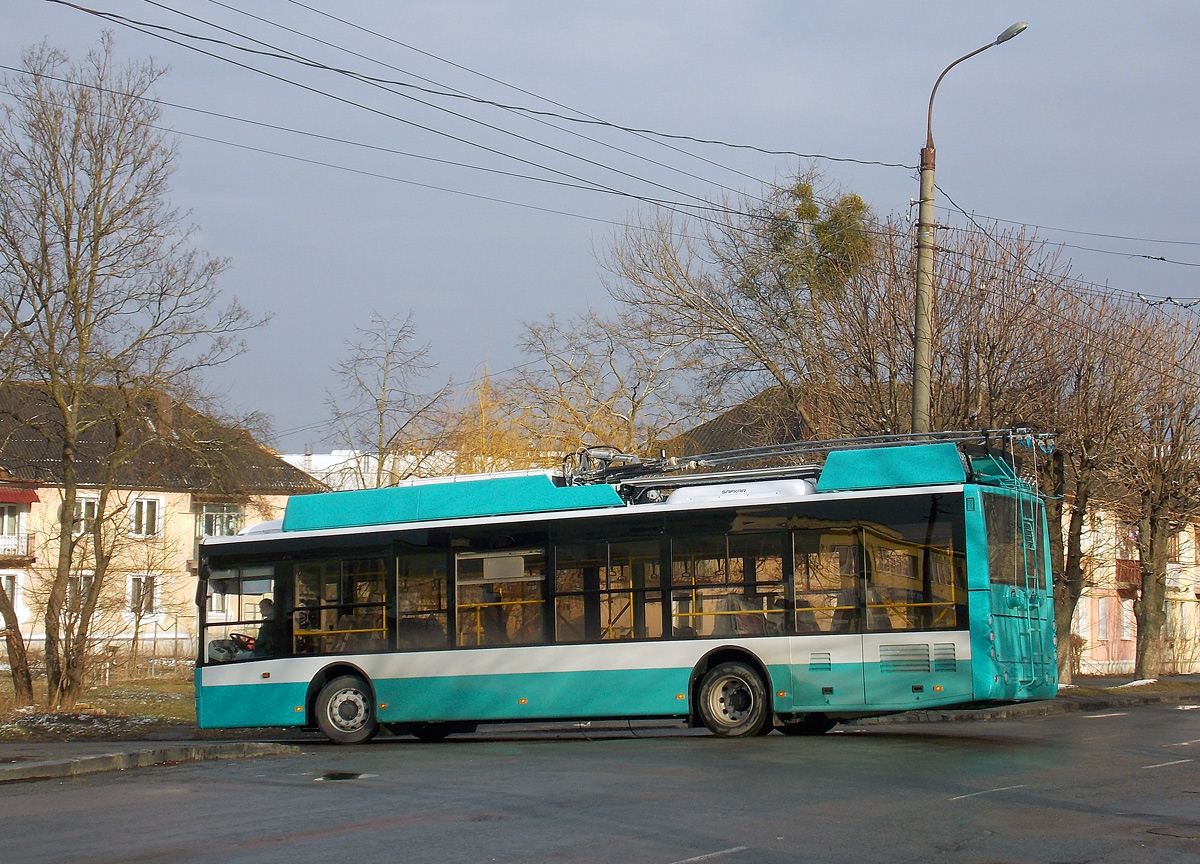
<point>175,448</point>
<point>767,418</point>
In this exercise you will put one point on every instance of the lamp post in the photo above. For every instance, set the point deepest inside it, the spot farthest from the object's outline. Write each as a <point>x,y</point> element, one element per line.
<point>926,226</point>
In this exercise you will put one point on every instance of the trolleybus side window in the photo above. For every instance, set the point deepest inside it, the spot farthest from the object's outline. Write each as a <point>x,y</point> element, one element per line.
<point>421,601</point>
<point>244,594</point>
<point>826,582</point>
<point>605,591</point>
<point>499,597</point>
<point>906,575</point>
<point>727,585</point>
<point>340,606</point>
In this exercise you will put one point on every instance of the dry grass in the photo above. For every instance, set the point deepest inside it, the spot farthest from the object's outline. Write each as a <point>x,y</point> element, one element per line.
<point>118,709</point>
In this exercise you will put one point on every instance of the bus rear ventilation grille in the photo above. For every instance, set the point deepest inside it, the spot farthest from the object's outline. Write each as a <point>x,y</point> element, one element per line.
<point>903,658</point>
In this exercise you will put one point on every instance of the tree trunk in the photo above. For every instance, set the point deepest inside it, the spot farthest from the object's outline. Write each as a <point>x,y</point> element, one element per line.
<point>57,601</point>
<point>18,660</point>
<point>1073,570</point>
<point>1154,528</point>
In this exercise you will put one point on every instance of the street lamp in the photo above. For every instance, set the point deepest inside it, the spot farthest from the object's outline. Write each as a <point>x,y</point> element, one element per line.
<point>926,226</point>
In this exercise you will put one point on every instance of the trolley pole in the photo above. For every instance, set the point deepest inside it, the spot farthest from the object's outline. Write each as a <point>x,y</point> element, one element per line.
<point>926,244</point>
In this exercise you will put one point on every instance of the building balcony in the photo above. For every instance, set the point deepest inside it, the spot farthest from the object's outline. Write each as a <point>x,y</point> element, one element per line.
<point>16,548</point>
<point>1129,573</point>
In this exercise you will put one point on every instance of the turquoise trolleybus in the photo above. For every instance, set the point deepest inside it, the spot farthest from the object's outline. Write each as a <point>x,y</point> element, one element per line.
<point>869,578</point>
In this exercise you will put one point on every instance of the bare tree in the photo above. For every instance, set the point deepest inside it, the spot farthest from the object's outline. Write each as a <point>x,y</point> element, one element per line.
<point>1160,468</point>
<point>591,380</point>
<point>490,431</point>
<point>380,413</point>
<point>107,307</point>
<point>1096,405</point>
<point>754,296</point>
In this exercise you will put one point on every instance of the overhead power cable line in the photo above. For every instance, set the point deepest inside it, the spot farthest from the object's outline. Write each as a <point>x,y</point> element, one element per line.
<point>453,93</point>
<point>358,171</point>
<point>1121,253</point>
<point>282,54</point>
<point>584,117</point>
<point>152,31</point>
<point>971,219</point>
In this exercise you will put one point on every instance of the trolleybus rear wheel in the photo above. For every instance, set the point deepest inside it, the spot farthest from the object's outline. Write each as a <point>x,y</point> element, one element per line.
<point>432,731</point>
<point>345,711</point>
<point>810,724</point>
<point>733,701</point>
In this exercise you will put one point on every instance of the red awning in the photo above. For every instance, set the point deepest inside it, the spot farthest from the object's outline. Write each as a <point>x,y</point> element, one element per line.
<point>16,495</point>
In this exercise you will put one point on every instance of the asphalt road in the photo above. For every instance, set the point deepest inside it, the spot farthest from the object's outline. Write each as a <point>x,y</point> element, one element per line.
<point>1114,786</point>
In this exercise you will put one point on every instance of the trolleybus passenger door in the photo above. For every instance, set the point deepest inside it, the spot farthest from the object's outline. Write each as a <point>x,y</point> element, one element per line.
<point>826,652</point>
<point>915,608</point>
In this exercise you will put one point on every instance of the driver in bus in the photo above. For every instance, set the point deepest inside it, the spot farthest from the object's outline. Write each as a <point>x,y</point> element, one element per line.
<point>241,647</point>
<point>264,642</point>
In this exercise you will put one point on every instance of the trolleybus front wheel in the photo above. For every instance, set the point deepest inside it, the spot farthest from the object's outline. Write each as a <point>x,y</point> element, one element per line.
<point>345,711</point>
<point>733,701</point>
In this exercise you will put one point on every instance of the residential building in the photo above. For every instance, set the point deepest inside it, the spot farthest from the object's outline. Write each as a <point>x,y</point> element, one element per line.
<point>191,477</point>
<point>1104,629</point>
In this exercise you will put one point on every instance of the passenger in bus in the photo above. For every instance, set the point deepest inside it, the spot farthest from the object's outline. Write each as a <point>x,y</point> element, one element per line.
<point>422,632</point>
<point>494,617</point>
<point>804,615</point>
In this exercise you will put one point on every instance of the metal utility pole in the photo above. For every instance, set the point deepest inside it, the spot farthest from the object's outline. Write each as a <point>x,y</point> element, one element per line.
<point>926,227</point>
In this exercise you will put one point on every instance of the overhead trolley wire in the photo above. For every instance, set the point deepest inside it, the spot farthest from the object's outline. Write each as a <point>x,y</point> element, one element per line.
<point>669,205</point>
<point>282,54</point>
<point>585,118</point>
<point>989,236</point>
<point>453,93</point>
<point>581,183</point>
<point>323,164</point>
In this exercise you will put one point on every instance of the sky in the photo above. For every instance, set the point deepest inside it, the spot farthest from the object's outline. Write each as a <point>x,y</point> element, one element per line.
<point>328,198</point>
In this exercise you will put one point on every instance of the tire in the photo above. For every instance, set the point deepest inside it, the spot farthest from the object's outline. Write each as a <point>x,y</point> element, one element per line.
<point>811,724</point>
<point>345,710</point>
<point>430,732</point>
<point>733,701</point>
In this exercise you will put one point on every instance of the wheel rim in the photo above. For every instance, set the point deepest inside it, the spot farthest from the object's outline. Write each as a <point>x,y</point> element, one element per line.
<point>731,701</point>
<point>348,710</point>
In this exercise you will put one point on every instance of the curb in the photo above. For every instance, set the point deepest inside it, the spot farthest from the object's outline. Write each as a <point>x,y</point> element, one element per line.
<point>1046,708</point>
<point>51,769</point>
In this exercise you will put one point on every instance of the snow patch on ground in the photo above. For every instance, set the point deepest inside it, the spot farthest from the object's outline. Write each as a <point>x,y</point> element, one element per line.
<point>1142,683</point>
<point>30,723</point>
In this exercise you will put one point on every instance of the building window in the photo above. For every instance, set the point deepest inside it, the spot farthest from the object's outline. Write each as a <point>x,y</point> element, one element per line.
<point>12,542</point>
<point>142,594</point>
<point>1187,627</point>
<point>220,520</point>
<point>10,588</point>
<point>1127,541</point>
<point>1102,619</point>
<point>1127,620</point>
<point>144,517</point>
<point>86,510</point>
<point>79,588</point>
<point>1083,624</point>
